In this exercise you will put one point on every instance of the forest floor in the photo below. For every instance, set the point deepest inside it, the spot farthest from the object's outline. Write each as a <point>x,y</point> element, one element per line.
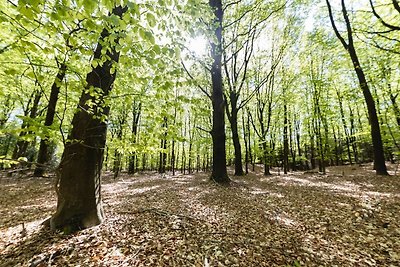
<point>348,217</point>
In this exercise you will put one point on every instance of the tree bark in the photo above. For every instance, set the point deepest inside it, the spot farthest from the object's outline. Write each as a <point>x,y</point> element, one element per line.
<point>219,172</point>
<point>78,188</point>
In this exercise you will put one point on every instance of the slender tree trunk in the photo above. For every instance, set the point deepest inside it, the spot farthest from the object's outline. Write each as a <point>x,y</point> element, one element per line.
<point>353,139</point>
<point>335,138</point>
<point>21,147</point>
<point>233,119</point>
<point>285,140</point>
<point>396,108</point>
<point>292,147</point>
<point>173,157</point>
<point>144,162</point>
<point>299,152</point>
<point>219,172</point>
<point>345,128</point>
<point>117,164</point>
<point>78,187</point>
<point>379,157</point>
<point>44,150</point>
<point>236,141</point>
<point>312,152</point>
<point>163,147</point>
<point>246,137</point>
<point>136,111</point>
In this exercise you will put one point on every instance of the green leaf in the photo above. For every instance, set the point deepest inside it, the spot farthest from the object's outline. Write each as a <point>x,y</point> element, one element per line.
<point>149,37</point>
<point>134,8</point>
<point>10,71</point>
<point>89,7</point>
<point>151,19</point>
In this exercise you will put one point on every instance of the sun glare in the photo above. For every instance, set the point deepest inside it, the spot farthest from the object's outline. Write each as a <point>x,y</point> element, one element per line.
<point>198,45</point>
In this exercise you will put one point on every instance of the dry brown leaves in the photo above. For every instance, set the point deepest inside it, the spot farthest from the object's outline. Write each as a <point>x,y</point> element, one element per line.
<point>349,217</point>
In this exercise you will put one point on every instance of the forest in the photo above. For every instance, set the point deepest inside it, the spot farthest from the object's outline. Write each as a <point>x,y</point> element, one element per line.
<point>199,133</point>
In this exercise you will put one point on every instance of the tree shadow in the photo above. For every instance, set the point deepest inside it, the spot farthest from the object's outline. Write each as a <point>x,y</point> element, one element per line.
<point>33,249</point>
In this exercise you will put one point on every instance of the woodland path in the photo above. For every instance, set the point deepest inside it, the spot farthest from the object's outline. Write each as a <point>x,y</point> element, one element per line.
<point>348,217</point>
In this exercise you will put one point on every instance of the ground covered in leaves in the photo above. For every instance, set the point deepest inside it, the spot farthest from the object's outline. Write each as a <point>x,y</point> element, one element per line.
<point>348,217</point>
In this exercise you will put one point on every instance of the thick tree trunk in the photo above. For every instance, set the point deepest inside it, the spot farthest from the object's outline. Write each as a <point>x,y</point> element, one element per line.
<point>219,172</point>
<point>79,199</point>
<point>379,157</point>
<point>45,148</point>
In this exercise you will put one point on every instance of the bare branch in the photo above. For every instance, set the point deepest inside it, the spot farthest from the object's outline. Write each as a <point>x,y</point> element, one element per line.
<point>191,77</point>
<point>231,4</point>
<point>334,25</point>
<point>396,5</point>
<point>390,26</point>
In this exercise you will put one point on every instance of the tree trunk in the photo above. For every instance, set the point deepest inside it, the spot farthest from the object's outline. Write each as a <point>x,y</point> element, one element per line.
<point>219,172</point>
<point>136,111</point>
<point>246,137</point>
<point>353,139</point>
<point>44,150</point>
<point>345,128</point>
<point>396,108</point>
<point>78,188</point>
<point>285,140</point>
<point>233,119</point>
<point>379,158</point>
<point>163,147</point>
<point>21,147</point>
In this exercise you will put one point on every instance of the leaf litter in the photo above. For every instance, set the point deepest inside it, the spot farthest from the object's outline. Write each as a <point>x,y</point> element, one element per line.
<point>348,217</point>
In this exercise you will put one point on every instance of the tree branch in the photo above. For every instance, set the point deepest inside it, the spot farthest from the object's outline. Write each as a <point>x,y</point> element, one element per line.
<point>384,23</point>
<point>191,77</point>
<point>334,25</point>
<point>396,5</point>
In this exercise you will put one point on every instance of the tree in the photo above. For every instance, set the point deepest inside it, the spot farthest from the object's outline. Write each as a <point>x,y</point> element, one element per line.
<point>379,158</point>
<point>44,150</point>
<point>78,187</point>
<point>219,172</point>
